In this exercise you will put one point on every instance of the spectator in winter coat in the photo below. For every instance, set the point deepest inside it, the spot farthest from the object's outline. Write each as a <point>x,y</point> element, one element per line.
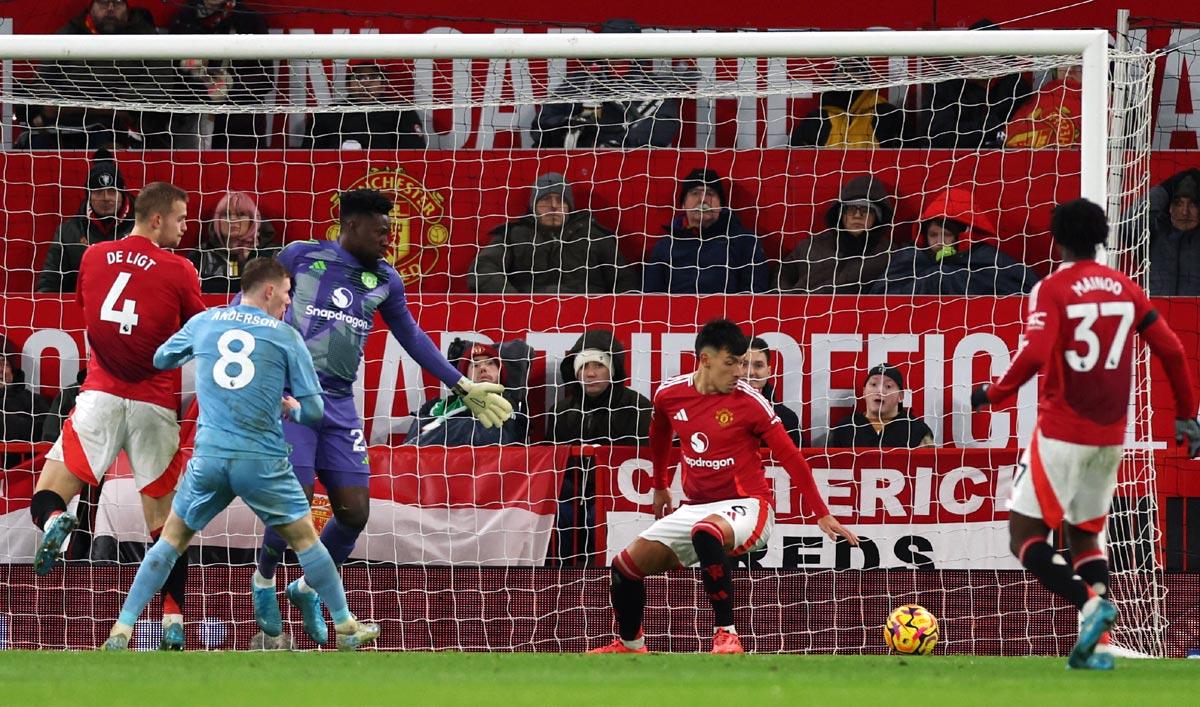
<point>366,85</point>
<point>853,252</point>
<point>246,82</point>
<point>953,255</point>
<point>448,422</point>
<point>973,113</point>
<point>706,250</point>
<point>61,408</point>
<point>235,235</point>
<point>21,411</point>
<point>585,112</point>
<point>1175,236</point>
<point>883,421</point>
<point>556,249</point>
<point>598,407</point>
<point>759,373</point>
<point>106,214</point>
<point>150,82</point>
<point>852,119</point>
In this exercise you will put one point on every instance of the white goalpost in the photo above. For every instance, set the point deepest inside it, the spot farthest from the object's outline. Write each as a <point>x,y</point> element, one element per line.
<point>506,547</point>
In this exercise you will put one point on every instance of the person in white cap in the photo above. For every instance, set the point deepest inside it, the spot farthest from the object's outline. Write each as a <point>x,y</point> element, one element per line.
<point>598,407</point>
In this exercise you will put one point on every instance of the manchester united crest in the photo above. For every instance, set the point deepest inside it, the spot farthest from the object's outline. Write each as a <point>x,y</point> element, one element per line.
<point>418,228</point>
<point>322,511</point>
<point>724,417</point>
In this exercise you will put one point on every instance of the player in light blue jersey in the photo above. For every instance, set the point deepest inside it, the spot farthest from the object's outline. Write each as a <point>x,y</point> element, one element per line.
<point>337,288</point>
<point>246,358</point>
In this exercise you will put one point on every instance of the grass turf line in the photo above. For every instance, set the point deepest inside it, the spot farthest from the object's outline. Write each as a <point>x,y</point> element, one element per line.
<point>547,679</point>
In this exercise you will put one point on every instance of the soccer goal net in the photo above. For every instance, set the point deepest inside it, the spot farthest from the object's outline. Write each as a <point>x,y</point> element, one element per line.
<point>574,202</point>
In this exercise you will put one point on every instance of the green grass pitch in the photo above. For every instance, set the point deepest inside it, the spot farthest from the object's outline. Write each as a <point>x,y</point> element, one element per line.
<point>548,680</point>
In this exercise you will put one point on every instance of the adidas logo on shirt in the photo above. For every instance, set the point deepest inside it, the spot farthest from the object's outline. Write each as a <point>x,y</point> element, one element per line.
<point>681,415</point>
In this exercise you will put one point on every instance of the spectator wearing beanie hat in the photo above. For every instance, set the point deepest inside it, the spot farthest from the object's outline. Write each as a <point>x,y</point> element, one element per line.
<point>853,251</point>
<point>448,422</point>
<point>598,407</point>
<point>1175,236</point>
<point>555,249</point>
<point>883,421</point>
<point>706,249</point>
<point>106,214</point>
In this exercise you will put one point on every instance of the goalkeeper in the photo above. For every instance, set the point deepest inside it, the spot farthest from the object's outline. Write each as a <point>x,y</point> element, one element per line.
<point>337,287</point>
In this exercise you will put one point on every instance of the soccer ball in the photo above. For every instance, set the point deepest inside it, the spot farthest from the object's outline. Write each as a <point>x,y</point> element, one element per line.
<point>911,629</point>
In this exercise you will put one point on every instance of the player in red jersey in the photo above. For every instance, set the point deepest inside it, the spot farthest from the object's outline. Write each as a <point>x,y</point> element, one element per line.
<point>721,422</point>
<point>134,295</point>
<point>1078,334</point>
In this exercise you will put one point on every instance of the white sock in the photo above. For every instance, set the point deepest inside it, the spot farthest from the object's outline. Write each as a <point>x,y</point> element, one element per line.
<point>120,628</point>
<point>260,581</point>
<point>730,629</point>
<point>169,619</point>
<point>636,643</point>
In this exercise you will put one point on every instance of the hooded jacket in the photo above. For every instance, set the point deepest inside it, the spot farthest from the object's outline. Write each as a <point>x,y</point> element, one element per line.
<point>618,416</point>
<point>1174,254</point>
<point>524,256</point>
<point>836,262</point>
<point>969,114</point>
<point>975,268</point>
<point>578,119</point>
<point>60,270</point>
<point>723,258</point>
<point>218,273</point>
<point>851,119</point>
<point>22,415</point>
<point>447,422</point>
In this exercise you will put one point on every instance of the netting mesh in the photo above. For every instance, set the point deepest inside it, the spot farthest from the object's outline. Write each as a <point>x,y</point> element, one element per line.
<point>836,275</point>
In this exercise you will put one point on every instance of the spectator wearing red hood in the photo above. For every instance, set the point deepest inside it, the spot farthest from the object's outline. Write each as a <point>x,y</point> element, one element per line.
<point>954,254</point>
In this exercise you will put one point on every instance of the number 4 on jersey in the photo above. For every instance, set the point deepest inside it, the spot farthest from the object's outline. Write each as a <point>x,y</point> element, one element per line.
<point>126,317</point>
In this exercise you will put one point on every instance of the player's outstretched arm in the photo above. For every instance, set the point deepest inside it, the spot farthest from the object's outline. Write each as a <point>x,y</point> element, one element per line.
<point>791,459</point>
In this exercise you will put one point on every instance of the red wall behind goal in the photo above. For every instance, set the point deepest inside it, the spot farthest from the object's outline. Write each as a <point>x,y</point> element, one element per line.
<point>448,202</point>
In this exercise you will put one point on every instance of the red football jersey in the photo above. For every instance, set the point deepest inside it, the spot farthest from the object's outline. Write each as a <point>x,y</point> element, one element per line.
<point>134,296</point>
<point>720,436</point>
<point>1079,331</point>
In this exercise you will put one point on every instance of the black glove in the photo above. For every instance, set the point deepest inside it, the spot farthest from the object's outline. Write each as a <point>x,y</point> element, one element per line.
<point>1187,427</point>
<point>979,396</point>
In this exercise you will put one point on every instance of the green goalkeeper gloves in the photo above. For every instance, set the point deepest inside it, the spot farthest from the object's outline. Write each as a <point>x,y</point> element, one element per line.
<point>485,401</point>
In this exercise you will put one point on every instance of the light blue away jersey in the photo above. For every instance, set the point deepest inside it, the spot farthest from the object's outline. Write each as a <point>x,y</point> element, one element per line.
<point>244,360</point>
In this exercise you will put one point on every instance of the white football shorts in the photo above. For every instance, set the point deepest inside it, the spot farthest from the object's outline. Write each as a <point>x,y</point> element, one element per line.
<point>102,425</point>
<point>1060,481</point>
<point>751,519</point>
